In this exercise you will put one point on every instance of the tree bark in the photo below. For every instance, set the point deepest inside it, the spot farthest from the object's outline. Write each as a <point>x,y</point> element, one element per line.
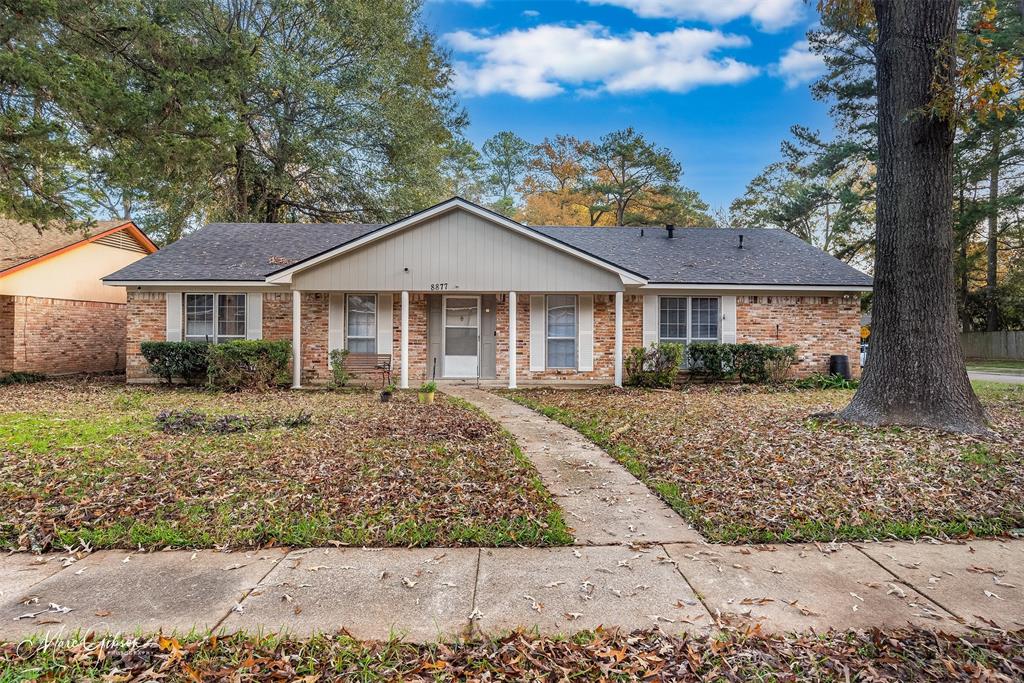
<point>992,247</point>
<point>915,374</point>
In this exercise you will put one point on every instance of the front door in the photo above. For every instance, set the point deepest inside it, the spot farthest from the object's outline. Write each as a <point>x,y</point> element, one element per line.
<point>461,341</point>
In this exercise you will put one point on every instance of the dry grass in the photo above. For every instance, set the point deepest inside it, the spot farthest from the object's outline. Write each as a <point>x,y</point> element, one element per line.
<point>895,655</point>
<point>84,462</point>
<point>754,464</point>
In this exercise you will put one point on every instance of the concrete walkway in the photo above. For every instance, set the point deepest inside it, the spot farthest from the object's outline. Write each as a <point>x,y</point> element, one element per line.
<point>636,565</point>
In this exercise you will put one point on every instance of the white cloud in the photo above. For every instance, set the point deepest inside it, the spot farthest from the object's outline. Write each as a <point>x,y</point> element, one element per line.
<point>587,58</point>
<point>531,13</point>
<point>770,15</point>
<point>799,65</point>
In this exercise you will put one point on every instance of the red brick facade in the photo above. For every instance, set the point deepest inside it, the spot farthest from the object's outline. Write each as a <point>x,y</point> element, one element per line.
<point>817,326</point>
<point>61,336</point>
<point>147,321</point>
<point>418,351</point>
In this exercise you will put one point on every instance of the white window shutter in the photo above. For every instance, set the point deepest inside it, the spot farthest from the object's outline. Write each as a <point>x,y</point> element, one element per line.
<point>652,312</point>
<point>537,333</point>
<point>385,324</point>
<point>585,338</point>
<point>254,315</point>
<point>728,320</point>
<point>336,322</point>
<point>174,324</point>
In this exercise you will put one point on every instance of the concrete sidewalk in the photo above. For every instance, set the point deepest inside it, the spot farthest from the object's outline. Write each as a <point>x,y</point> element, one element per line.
<point>636,565</point>
<point>427,593</point>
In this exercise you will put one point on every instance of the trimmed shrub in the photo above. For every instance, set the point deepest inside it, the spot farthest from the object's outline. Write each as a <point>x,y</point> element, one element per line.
<point>341,376</point>
<point>713,362</point>
<point>751,363</point>
<point>654,367</point>
<point>257,364</point>
<point>170,359</point>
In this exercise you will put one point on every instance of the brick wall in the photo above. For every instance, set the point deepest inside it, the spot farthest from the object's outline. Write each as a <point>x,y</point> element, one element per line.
<point>147,321</point>
<point>277,315</point>
<point>817,326</point>
<point>61,336</point>
<point>315,351</point>
<point>417,337</point>
<point>604,338</point>
<point>6,333</point>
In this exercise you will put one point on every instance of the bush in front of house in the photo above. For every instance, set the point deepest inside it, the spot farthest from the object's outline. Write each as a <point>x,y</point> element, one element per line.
<point>655,366</point>
<point>249,364</point>
<point>339,375</point>
<point>177,359</point>
<point>751,363</point>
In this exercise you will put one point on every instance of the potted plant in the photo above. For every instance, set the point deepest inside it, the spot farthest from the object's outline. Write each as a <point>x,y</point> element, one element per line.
<point>426,393</point>
<point>387,392</point>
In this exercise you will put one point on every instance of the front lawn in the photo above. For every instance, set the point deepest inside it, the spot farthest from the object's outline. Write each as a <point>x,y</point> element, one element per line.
<point>750,464</point>
<point>86,461</point>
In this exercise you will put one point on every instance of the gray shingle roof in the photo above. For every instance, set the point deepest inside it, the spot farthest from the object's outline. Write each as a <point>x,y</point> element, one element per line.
<point>251,251</point>
<point>712,255</point>
<point>240,251</point>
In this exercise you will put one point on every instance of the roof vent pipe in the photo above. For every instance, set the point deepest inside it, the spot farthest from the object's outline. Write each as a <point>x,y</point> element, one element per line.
<point>671,230</point>
<point>741,241</point>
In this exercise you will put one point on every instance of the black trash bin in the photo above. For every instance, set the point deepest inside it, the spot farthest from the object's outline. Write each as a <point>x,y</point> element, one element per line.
<point>839,365</point>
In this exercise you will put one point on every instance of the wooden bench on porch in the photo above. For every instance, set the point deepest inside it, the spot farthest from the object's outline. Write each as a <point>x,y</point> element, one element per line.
<point>369,364</point>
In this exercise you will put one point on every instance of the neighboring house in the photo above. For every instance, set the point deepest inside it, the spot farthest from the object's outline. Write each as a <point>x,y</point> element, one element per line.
<point>459,292</point>
<point>56,315</point>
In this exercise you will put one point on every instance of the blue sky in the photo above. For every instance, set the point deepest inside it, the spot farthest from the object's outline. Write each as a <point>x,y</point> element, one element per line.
<point>719,82</point>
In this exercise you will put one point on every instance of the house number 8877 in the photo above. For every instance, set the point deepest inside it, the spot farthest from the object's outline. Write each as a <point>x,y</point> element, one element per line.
<point>438,286</point>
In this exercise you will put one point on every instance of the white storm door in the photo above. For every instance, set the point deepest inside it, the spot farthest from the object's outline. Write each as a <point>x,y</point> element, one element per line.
<point>461,340</point>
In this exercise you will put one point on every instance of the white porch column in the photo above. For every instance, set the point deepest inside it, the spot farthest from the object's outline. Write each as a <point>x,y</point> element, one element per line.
<point>512,360</point>
<point>403,376</point>
<point>618,339</point>
<point>296,339</point>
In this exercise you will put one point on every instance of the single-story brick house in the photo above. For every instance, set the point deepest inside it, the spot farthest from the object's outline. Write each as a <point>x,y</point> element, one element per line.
<point>56,315</point>
<point>459,292</point>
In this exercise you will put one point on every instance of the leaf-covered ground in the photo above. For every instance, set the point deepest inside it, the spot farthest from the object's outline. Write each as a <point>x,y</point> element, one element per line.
<point>898,655</point>
<point>755,465</point>
<point>85,462</point>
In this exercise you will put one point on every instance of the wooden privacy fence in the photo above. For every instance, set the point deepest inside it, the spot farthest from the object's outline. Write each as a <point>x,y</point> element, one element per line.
<point>1003,345</point>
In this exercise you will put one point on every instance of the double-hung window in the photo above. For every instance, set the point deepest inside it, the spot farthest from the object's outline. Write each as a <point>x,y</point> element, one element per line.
<point>361,328</point>
<point>561,331</point>
<point>686,319</point>
<point>214,317</point>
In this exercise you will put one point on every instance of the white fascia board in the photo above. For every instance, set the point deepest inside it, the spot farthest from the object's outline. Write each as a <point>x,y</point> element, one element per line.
<point>762,288</point>
<point>285,276</point>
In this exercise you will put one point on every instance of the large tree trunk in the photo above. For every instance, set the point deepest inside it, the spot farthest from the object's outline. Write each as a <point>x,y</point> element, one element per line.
<point>992,248</point>
<point>915,373</point>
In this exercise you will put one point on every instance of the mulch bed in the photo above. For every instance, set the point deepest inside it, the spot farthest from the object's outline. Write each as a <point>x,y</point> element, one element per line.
<point>896,655</point>
<point>756,464</point>
<point>87,462</point>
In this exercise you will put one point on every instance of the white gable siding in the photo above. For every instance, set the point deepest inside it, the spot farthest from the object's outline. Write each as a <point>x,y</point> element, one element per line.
<point>466,253</point>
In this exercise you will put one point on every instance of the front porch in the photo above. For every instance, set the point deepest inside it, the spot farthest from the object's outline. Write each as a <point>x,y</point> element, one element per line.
<point>493,338</point>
